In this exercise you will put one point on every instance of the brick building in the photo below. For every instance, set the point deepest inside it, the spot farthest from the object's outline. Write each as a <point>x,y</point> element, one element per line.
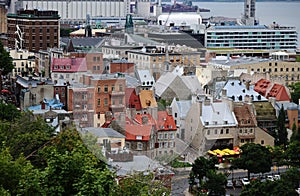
<point>40,28</point>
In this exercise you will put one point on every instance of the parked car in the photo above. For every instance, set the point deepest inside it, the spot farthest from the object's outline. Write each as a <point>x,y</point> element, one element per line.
<point>276,177</point>
<point>245,181</point>
<point>237,183</point>
<point>270,178</point>
<point>229,184</point>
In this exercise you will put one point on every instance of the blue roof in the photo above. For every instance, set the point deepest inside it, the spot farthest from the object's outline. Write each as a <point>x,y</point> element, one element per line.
<point>241,27</point>
<point>53,103</point>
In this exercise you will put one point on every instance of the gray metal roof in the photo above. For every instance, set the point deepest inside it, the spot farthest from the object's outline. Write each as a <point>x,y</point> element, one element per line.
<point>237,91</point>
<point>102,132</point>
<point>139,163</point>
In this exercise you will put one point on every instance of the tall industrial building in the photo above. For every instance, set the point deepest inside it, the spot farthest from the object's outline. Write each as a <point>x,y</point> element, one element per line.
<point>33,30</point>
<point>79,9</point>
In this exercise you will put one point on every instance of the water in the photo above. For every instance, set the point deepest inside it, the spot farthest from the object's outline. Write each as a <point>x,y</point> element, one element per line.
<point>283,13</point>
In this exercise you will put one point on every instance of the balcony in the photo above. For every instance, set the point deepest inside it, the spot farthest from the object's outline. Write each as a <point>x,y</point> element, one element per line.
<point>119,106</point>
<point>117,93</point>
<point>246,135</point>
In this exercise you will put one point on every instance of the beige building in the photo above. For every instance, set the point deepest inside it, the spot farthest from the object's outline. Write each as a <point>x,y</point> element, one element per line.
<point>24,62</point>
<point>3,19</point>
<point>158,60</point>
<point>290,71</point>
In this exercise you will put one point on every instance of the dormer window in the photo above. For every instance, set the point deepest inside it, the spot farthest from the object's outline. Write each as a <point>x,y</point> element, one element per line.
<point>206,123</point>
<point>138,137</point>
<point>225,122</point>
<point>61,67</point>
<point>68,67</point>
<point>170,126</point>
<point>55,67</point>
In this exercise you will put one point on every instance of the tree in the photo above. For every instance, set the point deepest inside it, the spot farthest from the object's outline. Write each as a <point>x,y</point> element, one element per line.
<point>254,158</point>
<point>141,184</point>
<point>293,154</point>
<point>201,166</point>
<point>281,136</point>
<point>8,112</point>
<point>295,92</point>
<point>215,183</point>
<point>285,186</point>
<point>6,64</point>
<point>268,188</point>
<point>296,134</point>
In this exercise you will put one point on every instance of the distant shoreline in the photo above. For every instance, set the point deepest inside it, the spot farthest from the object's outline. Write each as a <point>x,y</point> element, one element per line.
<point>286,1</point>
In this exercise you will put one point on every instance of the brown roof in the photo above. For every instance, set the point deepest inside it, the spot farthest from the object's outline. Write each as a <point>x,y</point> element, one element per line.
<point>244,115</point>
<point>147,99</point>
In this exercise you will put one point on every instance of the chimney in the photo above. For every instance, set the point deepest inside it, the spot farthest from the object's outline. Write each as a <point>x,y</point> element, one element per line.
<point>169,110</point>
<point>43,105</point>
<point>248,85</point>
<point>224,92</point>
<point>248,99</point>
<point>206,101</point>
<point>144,120</point>
<point>200,107</point>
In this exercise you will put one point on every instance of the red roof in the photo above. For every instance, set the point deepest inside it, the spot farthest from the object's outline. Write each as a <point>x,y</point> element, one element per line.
<point>139,119</point>
<point>138,132</point>
<point>268,89</point>
<point>262,86</point>
<point>165,122</point>
<point>279,92</point>
<point>132,100</point>
<point>69,65</point>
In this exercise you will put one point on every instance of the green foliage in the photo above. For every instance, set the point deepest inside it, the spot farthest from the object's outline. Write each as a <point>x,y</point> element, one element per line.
<point>215,183</point>
<point>281,136</point>
<point>34,161</point>
<point>293,154</point>
<point>268,188</point>
<point>180,164</point>
<point>285,186</point>
<point>5,61</point>
<point>162,104</point>
<point>295,92</point>
<point>296,134</point>
<point>254,158</point>
<point>140,184</point>
<point>8,112</point>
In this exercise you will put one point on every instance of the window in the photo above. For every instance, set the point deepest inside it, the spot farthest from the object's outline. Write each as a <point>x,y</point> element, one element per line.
<point>287,69</point>
<point>208,132</point>
<point>171,135</point>
<point>98,115</point>
<point>175,115</point>
<point>221,132</point>
<point>241,131</point>
<point>216,131</point>
<point>99,89</point>
<point>105,102</point>
<point>251,131</point>
<point>166,136</point>
<point>242,140</point>
<point>160,136</point>
<point>120,87</point>
<point>227,131</point>
<point>262,142</point>
<point>113,87</point>
<point>62,94</point>
<point>120,101</point>
<point>106,88</point>
<point>140,146</point>
<point>171,144</point>
<point>99,102</point>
